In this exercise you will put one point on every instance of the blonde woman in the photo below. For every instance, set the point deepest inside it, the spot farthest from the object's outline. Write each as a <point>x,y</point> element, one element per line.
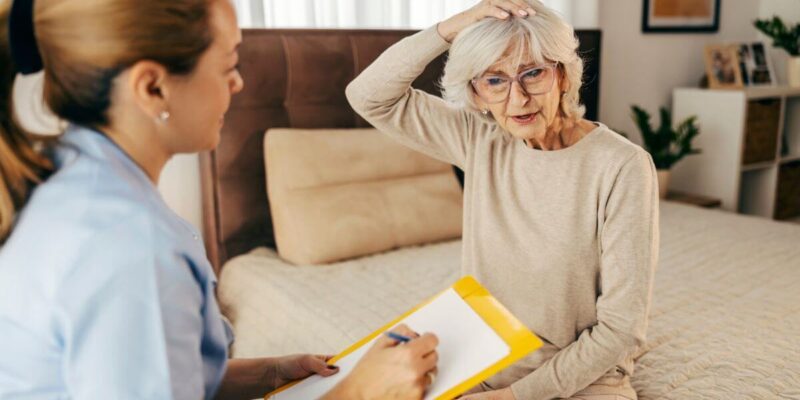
<point>560,213</point>
<point>104,292</point>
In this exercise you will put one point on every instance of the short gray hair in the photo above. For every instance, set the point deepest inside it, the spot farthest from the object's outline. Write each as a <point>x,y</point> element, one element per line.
<point>479,46</point>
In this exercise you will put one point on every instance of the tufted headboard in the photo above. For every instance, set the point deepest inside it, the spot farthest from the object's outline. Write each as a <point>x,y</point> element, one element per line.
<point>296,78</point>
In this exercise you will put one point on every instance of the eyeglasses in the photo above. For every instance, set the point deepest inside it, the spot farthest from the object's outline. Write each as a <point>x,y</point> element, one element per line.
<point>495,88</point>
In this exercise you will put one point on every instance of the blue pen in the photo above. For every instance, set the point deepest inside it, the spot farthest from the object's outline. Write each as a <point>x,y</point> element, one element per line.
<point>400,338</point>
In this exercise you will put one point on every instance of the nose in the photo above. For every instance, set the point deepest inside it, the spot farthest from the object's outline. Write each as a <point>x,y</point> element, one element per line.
<point>517,95</point>
<point>237,84</point>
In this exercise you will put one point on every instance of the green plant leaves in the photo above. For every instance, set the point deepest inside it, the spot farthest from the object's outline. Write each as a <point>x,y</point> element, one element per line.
<point>782,36</point>
<point>666,145</point>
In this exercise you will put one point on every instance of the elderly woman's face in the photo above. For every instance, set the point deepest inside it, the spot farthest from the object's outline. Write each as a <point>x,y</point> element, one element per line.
<point>533,100</point>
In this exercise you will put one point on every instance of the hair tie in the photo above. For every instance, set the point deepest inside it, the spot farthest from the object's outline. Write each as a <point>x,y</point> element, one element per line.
<point>22,39</point>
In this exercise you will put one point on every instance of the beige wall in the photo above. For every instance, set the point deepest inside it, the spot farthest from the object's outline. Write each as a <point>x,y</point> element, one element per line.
<point>643,69</point>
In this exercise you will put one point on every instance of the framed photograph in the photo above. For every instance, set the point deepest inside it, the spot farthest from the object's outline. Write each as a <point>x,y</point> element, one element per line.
<point>754,65</point>
<point>722,66</point>
<point>676,16</point>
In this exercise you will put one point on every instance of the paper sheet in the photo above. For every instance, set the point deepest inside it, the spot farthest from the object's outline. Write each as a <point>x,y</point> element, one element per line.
<point>467,346</point>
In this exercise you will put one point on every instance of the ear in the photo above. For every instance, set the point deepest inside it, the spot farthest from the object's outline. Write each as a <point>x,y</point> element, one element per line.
<point>478,101</point>
<point>147,83</point>
<point>563,82</point>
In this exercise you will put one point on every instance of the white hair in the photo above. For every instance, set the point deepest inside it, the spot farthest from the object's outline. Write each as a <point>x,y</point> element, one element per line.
<point>545,36</point>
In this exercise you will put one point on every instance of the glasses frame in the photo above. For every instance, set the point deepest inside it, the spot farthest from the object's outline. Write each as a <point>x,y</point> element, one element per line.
<point>518,80</point>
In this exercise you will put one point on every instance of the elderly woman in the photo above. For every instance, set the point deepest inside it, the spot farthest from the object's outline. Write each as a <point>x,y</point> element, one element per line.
<point>560,213</point>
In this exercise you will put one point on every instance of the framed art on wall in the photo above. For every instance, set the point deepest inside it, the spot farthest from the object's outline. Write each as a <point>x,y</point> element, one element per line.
<point>676,16</point>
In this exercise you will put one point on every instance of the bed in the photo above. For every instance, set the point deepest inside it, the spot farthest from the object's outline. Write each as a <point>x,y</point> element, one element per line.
<point>725,319</point>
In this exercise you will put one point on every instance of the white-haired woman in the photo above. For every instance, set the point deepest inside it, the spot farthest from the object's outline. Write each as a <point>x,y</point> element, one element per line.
<point>560,213</point>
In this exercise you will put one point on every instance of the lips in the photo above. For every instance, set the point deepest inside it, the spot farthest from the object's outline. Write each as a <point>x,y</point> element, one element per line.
<point>524,118</point>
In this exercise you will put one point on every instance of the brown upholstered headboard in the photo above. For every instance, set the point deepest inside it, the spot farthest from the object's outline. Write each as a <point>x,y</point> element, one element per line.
<point>296,78</point>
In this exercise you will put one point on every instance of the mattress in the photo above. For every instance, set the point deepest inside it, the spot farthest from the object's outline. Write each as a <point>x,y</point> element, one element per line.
<point>724,322</point>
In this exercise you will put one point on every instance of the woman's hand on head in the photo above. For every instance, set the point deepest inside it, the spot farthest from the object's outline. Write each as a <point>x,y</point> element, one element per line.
<point>500,9</point>
<point>391,370</point>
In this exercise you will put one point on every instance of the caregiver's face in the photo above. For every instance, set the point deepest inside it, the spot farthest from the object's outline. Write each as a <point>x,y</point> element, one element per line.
<point>523,96</point>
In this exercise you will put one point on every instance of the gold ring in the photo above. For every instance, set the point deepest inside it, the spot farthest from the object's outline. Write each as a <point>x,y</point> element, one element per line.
<point>431,376</point>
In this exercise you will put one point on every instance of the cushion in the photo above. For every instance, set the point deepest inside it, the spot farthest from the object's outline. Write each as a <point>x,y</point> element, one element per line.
<point>342,193</point>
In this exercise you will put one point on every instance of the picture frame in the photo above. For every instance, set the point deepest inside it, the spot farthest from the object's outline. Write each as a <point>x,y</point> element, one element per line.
<point>755,65</point>
<point>680,16</point>
<point>723,67</point>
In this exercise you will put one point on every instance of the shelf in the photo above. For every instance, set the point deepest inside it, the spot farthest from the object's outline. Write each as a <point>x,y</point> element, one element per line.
<point>754,93</point>
<point>757,195</point>
<point>771,91</point>
<point>757,166</point>
<point>789,158</point>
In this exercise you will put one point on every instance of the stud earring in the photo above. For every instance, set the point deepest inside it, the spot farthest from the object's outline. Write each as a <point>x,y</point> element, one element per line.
<point>163,116</point>
<point>485,112</point>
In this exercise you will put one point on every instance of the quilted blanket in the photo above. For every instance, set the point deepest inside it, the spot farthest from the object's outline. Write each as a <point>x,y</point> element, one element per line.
<point>724,322</point>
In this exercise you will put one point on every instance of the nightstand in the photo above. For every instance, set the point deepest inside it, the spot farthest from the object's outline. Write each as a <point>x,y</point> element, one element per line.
<point>695,200</point>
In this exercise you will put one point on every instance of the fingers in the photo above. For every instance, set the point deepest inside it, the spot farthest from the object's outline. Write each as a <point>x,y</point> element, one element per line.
<point>318,365</point>
<point>424,344</point>
<point>503,9</point>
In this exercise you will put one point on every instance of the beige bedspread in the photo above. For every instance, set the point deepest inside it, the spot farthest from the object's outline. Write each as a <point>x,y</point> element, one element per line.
<point>725,320</point>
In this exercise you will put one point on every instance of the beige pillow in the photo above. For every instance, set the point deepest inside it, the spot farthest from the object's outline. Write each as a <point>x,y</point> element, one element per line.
<point>342,193</point>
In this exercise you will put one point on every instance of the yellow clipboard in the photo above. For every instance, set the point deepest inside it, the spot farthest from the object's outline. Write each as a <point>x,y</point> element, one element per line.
<point>520,340</point>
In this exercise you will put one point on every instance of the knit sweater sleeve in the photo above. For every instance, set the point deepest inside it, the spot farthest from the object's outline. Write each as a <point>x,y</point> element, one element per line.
<point>629,253</point>
<point>383,95</point>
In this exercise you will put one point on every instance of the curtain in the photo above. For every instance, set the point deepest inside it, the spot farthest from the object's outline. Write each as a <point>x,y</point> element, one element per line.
<point>412,14</point>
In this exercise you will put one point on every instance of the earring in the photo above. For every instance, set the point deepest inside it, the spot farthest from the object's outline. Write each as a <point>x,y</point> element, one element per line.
<point>485,112</point>
<point>163,116</point>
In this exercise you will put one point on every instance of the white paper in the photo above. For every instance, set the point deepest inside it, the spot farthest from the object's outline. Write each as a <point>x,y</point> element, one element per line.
<point>467,346</point>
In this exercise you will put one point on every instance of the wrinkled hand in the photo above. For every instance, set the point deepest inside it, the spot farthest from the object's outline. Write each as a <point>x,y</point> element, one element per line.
<point>299,366</point>
<point>502,394</point>
<point>501,9</point>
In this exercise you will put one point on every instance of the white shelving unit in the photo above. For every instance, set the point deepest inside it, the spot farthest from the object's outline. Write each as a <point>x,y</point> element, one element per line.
<point>719,171</point>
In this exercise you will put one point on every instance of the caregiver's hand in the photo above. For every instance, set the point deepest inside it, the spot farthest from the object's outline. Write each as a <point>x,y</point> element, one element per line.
<point>390,370</point>
<point>292,368</point>
<point>501,9</point>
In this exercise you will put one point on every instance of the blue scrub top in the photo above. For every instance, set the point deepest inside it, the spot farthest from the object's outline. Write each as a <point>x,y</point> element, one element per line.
<point>104,291</point>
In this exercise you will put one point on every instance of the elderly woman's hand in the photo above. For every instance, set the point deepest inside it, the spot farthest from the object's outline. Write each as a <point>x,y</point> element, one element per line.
<point>501,9</point>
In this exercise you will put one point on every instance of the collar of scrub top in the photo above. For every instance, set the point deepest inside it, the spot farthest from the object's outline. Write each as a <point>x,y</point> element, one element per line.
<point>22,39</point>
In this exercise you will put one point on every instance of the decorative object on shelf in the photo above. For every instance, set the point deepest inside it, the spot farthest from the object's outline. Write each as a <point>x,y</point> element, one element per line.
<point>677,16</point>
<point>666,145</point>
<point>787,39</point>
<point>754,65</point>
<point>722,66</point>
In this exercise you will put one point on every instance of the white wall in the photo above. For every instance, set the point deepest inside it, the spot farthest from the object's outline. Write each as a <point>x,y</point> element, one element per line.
<point>643,69</point>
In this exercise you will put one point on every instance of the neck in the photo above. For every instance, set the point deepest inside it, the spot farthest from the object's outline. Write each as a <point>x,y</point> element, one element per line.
<point>143,150</point>
<point>560,135</point>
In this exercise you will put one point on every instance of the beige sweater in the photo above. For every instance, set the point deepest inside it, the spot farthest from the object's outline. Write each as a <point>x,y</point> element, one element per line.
<point>566,239</point>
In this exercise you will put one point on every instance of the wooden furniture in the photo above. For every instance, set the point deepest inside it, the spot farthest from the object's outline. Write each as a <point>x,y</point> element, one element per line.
<point>693,199</point>
<point>295,78</point>
<point>750,142</point>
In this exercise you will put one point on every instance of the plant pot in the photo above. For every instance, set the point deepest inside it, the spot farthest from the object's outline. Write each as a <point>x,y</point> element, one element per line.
<point>663,182</point>
<point>793,71</point>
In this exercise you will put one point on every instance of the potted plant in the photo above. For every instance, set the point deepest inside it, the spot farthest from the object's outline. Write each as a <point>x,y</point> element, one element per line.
<point>787,39</point>
<point>665,144</point>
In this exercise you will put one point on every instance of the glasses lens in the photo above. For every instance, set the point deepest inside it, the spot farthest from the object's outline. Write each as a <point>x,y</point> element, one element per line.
<point>493,89</point>
<point>538,80</point>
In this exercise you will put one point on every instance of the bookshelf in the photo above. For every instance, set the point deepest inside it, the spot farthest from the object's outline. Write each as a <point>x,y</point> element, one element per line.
<point>750,140</point>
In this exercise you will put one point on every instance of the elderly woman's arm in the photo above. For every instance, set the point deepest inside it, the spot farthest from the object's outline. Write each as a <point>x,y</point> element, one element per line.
<point>629,253</point>
<point>382,94</point>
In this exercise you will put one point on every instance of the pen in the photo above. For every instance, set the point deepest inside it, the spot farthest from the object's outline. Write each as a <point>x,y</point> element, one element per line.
<point>400,338</point>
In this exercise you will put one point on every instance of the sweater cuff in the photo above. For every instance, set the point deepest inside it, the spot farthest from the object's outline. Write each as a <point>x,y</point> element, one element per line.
<point>536,386</point>
<point>425,46</point>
